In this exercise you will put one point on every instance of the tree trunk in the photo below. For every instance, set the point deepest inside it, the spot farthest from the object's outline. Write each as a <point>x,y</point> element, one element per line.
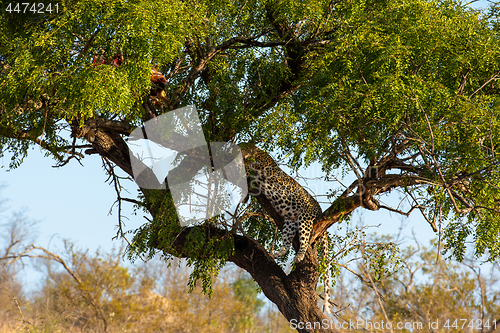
<point>294,294</point>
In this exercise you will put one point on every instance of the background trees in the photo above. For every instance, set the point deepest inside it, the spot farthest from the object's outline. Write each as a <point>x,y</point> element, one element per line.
<point>97,292</point>
<point>83,292</point>
<point>424,289</point>
<point>401,95</point>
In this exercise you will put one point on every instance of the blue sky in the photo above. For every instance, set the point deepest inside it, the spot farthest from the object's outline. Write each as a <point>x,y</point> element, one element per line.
<point>70,202</point>
<point>74,201</point>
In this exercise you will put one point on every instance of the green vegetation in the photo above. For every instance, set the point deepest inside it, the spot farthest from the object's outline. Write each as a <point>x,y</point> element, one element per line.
<point>401,95</point>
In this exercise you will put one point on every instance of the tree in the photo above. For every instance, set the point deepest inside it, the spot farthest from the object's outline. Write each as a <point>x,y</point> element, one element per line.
<point>401,94</point>
<point>427,293</point>
<point>97,294</point>
<point>15,232</point>
<point>85,292</point>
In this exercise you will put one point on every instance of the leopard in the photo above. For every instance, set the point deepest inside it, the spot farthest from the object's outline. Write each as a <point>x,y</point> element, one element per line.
<point>290,200</point>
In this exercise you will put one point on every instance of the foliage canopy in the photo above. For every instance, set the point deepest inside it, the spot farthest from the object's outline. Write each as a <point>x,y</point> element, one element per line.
<point>402,94</point>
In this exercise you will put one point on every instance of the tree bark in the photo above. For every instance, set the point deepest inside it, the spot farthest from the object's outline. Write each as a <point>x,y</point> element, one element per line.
<point>294,294</point>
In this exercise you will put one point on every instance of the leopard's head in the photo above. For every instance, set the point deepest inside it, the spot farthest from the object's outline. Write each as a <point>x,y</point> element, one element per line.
<point>256,156</point>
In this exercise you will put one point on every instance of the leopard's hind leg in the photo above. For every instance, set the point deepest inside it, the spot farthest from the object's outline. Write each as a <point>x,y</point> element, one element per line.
<point>289,230</point>
<point>305,228</point>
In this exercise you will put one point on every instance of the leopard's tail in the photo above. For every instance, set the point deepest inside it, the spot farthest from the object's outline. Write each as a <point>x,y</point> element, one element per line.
<point>326,292</point>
